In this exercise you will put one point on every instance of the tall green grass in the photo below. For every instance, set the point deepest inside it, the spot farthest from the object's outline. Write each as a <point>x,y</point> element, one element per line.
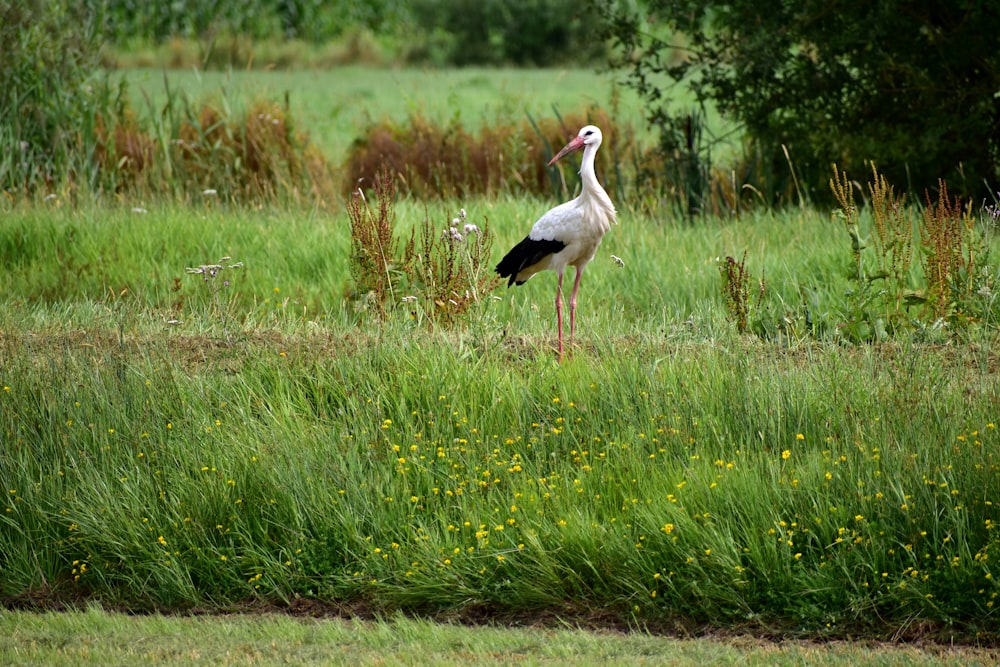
<point>171,443</point>
<point>727,484</point>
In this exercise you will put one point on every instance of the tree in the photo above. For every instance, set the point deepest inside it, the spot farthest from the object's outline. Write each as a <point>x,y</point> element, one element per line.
<point>913,85</point>
<point>498,32</point>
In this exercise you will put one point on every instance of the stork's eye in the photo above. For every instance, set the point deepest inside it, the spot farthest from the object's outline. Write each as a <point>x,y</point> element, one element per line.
<point>588,133</point>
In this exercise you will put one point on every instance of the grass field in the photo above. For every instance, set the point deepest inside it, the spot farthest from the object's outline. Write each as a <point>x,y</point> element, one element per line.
<point>256,438</point>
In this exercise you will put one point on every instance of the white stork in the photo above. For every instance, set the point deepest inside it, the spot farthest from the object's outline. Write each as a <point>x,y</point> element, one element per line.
<point>567,235</point>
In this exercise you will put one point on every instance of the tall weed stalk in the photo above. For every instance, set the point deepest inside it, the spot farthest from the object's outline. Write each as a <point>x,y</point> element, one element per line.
<point>438,274</point>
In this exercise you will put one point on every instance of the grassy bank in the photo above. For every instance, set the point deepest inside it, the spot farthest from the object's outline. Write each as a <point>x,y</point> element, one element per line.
<point>172,442</point>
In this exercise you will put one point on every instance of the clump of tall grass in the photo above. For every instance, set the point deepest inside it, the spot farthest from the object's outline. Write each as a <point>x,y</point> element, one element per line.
<point>736,490</point>
<point>67,129</point>
<point>438,275</point>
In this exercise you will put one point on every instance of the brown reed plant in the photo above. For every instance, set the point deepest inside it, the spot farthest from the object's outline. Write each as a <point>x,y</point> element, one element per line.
<point>431,161</point>
<point>950,252</point>
<point>843,192</point>
<point>257,158</point>
<point>123,151</point>
<point>736,291</point>
<point>893,238</point>
<point>374,247</point>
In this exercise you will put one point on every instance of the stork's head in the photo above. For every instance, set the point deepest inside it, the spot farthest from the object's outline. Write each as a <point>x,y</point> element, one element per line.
<point>590,135</point>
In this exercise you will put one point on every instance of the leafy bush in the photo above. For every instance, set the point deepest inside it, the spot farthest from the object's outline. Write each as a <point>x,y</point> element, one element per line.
<point>910,86</point>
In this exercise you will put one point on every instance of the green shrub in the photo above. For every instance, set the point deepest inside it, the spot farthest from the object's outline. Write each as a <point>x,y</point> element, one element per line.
<point>910,86</point>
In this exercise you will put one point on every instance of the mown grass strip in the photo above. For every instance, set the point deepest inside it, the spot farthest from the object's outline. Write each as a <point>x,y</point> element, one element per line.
<point>96,637</point>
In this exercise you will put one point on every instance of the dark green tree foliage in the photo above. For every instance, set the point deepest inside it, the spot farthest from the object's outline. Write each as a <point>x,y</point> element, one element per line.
<point>501,32</point>
<point>910,84</point>
<point>312,20</point>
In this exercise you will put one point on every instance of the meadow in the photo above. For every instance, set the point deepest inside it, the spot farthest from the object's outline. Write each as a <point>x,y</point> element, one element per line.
<point>253,434</point>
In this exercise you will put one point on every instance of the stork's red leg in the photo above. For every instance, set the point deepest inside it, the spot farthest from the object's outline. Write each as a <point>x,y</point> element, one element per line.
<point>572,309</point>
<point>559,313</point>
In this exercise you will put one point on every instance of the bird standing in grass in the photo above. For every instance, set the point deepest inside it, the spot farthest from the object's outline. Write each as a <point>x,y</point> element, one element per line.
<point>567,235</point>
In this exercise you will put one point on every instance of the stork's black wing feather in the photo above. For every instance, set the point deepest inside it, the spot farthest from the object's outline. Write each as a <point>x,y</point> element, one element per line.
<point>526,253</point>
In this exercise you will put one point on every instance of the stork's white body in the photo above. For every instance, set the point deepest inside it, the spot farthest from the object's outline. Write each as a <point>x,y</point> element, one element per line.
<point>567,235</point>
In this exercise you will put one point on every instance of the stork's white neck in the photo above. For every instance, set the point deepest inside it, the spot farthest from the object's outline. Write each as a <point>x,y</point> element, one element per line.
<point>588,175</point>
<point>593,197</point>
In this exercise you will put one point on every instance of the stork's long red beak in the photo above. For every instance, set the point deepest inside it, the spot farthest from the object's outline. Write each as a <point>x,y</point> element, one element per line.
<point>574,145</point>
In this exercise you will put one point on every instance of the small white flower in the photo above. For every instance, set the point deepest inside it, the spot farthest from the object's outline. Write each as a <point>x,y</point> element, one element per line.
<point>50,197</point>
<point>618,260</point>
<point>140,210</point>
<point>211,192</point>
<point>461,213</point>
<point>471,229</point>
<point>409,299</point>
